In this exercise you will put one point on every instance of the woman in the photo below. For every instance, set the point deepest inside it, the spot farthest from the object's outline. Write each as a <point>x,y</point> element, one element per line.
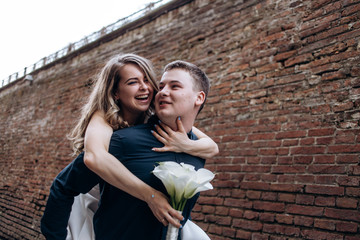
<point>122,97</point>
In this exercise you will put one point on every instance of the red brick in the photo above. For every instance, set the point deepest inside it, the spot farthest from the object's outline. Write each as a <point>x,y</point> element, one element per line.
<point>283,180</point>
<point>325,201</point>
<point>260,136</point>
<point>236,213</point>
<point>355,237</point>
<point>282,187</point>
<point>354,170</point>
<point>305,210</point>
<point>305,199</point>
<point>208,209</point>
<point>285,197</point>
<point>343,107</point>
<point>299,59</point>
<point>305,178</point>
<point>314,29</point>
<point>255,185</point>
<point>269,196</point>
<point>303,159</point>
<point>284,219</point>
<point>253,194</point>
<point>303,221</point>
<point>308,150</point>
<point>351,9</point>
<point>288,169</point>
<point>238,203</point>
<point>307,141</point>
<point>325,179</point>
<point>221,210</point>
<point>250,215</point>
<point>285,230</point>
<point>274,151</point>
<point>315,234</point>
<point>326,169</point>
<point>285,160</point>
<point>343,214</point>
<point>267,217</point>
<point>324,224</point>
<point>291,134</point>
<point>228,232</point>
<point>215,230</point>
<point>242,234</point>
<point>256,168</point>
<point>326,190</point>
<point>349,227</point>
<point>269,206</point>
<point>345,139</point>
<point>321,132</point>
<point>348,181</point>
<point>221,220</point>
<point>259,236</point>
<point>344,149</point>
<point>347,202</point>
<point>353,192</point>
<point>323,159</point>
<point>247,225</point>
<point>292,142</point>
<point>284,55</point>
<point>211,200</point>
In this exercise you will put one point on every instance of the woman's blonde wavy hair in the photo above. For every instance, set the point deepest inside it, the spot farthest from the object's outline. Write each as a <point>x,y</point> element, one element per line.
<point>102,97</point>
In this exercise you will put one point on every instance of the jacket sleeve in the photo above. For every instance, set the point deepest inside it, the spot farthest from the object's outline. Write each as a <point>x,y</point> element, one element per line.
<point>74,179</point>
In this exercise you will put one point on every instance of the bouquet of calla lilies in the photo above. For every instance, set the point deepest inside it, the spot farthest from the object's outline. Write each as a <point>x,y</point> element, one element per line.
<point>182,182</point>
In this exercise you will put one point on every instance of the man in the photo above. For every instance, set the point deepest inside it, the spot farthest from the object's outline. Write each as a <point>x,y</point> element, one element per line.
<point>183,91</point>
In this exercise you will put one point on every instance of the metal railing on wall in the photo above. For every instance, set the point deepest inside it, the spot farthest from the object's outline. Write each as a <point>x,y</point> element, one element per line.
<point>83,42</point>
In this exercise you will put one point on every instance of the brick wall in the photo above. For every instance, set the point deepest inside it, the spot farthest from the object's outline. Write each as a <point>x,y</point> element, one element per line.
<point>283,108</point>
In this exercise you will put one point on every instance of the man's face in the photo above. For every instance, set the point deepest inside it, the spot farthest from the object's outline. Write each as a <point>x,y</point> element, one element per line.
<point>176,96</point>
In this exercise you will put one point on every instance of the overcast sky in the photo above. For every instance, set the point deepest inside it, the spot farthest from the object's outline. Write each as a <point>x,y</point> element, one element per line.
<point>33,29</point>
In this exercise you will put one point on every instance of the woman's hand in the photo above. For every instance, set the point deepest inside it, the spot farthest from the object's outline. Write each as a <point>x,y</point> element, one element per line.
<point>178,141</point>
<point>162,210</point>
<point>174,141</point>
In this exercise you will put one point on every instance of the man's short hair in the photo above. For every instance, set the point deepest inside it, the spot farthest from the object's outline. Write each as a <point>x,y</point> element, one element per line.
<point>201,81</point>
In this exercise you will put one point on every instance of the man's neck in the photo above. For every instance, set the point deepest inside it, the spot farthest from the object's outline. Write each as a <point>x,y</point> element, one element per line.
<point>187,123</point>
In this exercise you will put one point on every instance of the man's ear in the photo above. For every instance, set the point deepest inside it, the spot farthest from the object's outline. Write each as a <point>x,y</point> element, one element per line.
<point>200,98</point>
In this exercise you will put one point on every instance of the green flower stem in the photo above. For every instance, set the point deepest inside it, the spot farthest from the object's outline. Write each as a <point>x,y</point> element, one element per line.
<point>178,205</point>
<point>173,202</point>
<point>182,204</point>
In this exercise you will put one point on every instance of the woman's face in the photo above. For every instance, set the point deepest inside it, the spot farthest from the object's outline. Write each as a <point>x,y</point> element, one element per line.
<point>134,93</point>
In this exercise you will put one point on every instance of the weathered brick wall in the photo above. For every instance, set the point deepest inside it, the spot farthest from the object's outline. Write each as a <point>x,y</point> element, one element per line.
<point>284,109</point>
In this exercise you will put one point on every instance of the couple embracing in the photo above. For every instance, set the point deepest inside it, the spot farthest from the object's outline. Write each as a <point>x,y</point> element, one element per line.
<point>119,140</point>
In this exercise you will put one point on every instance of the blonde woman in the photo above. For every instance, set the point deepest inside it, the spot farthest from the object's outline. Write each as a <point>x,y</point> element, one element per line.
<point>122,97</point>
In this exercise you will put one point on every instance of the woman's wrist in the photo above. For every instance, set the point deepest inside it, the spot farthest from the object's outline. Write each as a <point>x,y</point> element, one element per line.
<point>148,194</point>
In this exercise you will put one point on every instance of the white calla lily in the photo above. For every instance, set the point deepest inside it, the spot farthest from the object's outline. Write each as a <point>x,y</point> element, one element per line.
<point>182,181</point>
<point>166,179</point>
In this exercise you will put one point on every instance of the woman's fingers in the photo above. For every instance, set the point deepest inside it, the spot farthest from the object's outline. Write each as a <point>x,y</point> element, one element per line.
<point>161,132</point>
<point>167,129</point>
<point>180,125</point>
<point>175,141</point>
<point>176,214</point>
<point>158,137</point>
<point>162,140</point>
<point>172,220</point>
